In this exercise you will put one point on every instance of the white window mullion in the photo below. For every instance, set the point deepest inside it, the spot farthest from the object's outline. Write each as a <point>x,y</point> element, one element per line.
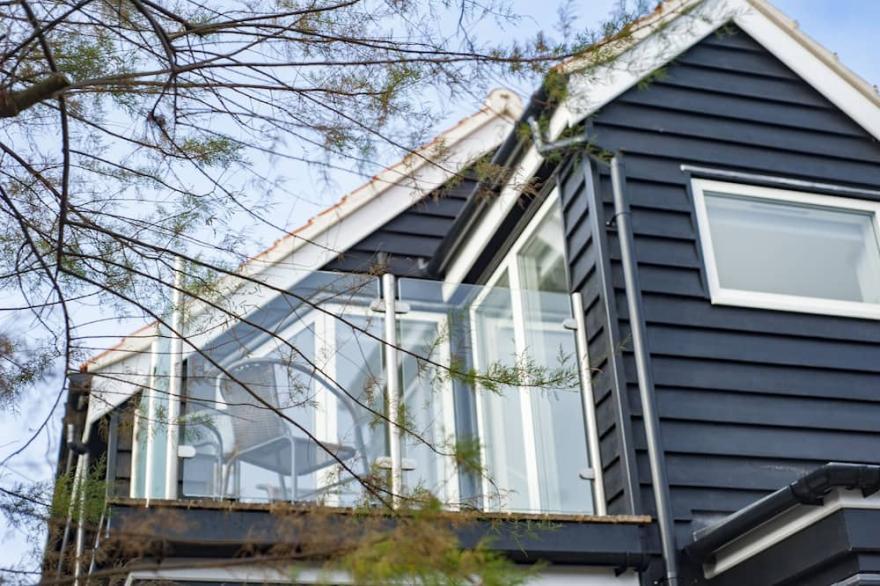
<point>326,420</point>
<point>524,394</point>
<point>447,416</point>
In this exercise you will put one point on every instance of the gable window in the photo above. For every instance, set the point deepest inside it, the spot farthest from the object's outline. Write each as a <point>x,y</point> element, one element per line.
<point>788,250</point>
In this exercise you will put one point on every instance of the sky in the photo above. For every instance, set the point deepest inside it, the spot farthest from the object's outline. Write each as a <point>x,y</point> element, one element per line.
<point>846,27</point>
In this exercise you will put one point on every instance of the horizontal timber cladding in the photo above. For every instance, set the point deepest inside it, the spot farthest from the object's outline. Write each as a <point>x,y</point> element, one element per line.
<point>410,239</point>
<point>749,399</point>
<point>587,250</point>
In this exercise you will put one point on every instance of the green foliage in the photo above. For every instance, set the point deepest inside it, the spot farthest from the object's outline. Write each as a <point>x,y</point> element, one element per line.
<point>556,86</point>
<point>84,500</point>
<point>467,453</point>
<point>212,150</point>
<point>423,549</point>
<point>658,74</point>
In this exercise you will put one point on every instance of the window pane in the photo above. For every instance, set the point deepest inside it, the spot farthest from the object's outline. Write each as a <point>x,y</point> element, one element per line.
<point>791,249</point>
<point>423,391</point>
<point>557,412</point>
<point>542,259</point>
<point>360,388</point>
<point>501,420</point>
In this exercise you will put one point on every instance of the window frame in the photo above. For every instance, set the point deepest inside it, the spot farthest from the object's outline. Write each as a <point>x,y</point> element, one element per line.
<point>509,264</point>
<point>777,301</point>
<point>322,323</point>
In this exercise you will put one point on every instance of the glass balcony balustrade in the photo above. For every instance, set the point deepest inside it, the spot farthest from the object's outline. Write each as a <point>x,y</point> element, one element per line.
<point>290,400</point>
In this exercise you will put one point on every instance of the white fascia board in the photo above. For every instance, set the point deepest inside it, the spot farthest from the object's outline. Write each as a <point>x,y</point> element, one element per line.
<point>118,379</point>
<point>658,39</point>
<point>813,63</point>
<point>783,526</point>
<point>356,216</point>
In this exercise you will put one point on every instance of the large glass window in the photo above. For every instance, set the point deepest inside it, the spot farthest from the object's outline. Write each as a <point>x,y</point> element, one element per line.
<point>294,402</point>
<point>788,250</point>
<point>534,434</point>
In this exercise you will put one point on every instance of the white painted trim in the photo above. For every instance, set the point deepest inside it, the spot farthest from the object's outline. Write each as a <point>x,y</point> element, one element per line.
<point>587,397</point>
<point>175,382</point>
<point>673,28</point>
<point>152,406</point>
<point>354,217</point>
<point>510,266</point>
<point>784,526</point>
<point>774,301</point>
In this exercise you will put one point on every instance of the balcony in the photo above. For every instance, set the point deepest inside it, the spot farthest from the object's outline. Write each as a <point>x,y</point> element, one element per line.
<point>484,407</point>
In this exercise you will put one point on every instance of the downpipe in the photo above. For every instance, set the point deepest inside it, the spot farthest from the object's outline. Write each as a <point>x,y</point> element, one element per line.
<point>659,480</point>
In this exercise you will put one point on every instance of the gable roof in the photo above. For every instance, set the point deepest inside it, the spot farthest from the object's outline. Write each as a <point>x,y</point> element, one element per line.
<point>651,43</point>
<point>334,230</point>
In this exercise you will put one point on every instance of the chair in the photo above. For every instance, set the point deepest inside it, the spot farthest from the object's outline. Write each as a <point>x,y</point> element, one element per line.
<point>263,438</point>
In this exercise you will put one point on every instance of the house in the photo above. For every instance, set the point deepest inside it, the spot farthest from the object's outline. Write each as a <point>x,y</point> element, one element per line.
<point>696,226</point>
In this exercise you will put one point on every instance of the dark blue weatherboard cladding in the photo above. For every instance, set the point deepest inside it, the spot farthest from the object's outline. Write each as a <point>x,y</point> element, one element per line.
<point>587,250</point>
<point>749,399</point>
<point>410,239</point>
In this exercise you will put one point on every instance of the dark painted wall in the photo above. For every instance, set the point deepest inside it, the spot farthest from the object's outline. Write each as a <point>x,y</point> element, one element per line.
<point>749,399</point>
<point>411,239</point>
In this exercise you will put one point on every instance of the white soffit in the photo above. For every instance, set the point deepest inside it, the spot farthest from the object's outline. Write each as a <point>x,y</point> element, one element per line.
<point>783,526</point>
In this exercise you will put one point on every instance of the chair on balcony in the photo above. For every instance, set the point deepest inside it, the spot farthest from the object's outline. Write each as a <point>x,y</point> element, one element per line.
<point>263,438</point>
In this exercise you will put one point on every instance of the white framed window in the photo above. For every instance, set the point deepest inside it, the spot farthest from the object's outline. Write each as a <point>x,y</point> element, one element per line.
<point>788,250</point>
<point>535,442</point>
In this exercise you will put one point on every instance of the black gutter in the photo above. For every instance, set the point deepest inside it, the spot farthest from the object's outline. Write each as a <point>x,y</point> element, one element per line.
<point>810,489</point>
<point>476,206</point>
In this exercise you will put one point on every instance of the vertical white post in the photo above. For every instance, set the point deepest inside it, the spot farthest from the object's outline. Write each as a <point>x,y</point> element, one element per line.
<point>152,400</point>
<point>136,453</point>
<point>577,306</point>
<point>175,388</point>
<point>389,290</point>
<point>518,307</point>
<point>80,528</point>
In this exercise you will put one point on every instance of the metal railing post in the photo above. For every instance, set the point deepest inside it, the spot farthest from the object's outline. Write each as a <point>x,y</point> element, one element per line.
<point>659,481</point>
<point>392,385</point>
<point>174,383</point>
<point>577,307</point>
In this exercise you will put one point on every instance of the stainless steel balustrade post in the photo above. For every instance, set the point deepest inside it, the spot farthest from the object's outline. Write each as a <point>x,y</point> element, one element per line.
<point>392,385</point>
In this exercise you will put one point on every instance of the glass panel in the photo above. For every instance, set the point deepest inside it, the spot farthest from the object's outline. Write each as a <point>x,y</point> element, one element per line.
<point>141,431</point>
<point>360,401</point>
<point>501,419</point>
<point>791,249</point>
<point>557,410</point>
<point>267,412</point>
<point>427,407</point>
<point>436,332</point>
<point>158,424</point>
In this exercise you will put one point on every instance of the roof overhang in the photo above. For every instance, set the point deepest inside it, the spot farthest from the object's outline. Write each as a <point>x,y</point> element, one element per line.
<point>121,370</point>
<point>651,43</point>
<point>807,545</point>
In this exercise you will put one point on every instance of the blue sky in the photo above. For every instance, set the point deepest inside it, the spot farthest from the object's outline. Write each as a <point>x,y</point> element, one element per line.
<point>847,27</point>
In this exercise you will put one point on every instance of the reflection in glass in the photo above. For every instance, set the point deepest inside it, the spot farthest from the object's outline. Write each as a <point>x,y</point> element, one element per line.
<point>793,249</point>
<point>556,410</point>
<point>501,417</point>
<point>427,408</point>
